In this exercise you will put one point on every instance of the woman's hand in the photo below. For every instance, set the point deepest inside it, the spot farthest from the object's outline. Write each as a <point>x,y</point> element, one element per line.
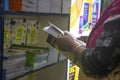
<point>66,42</point>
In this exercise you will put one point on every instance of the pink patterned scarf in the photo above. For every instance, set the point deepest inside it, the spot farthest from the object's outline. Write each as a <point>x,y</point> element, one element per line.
<point>112,10</point>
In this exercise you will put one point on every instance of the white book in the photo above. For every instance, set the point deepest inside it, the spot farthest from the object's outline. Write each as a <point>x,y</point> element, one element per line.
<point>55,31</point>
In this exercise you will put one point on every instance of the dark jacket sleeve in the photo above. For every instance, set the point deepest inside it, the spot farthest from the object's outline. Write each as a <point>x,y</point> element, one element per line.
<point>100,60</point>
<point>105,56</point>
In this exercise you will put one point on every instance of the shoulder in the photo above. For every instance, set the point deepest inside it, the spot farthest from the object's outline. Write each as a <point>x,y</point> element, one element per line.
<point>112,23</point>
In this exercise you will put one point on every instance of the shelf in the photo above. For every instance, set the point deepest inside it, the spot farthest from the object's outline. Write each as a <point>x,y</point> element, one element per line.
<point>28,47</point>
<point>43,18</point>
<point>33,13</point>
<point>31,71</point>
<point>1,37</point>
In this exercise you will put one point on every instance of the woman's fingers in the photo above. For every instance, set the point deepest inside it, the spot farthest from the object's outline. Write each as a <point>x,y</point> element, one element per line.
<point>60,35</point>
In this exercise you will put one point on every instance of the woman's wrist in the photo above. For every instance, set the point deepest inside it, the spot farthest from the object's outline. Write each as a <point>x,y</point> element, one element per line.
<point>77,51</point>
<point>74,50</point>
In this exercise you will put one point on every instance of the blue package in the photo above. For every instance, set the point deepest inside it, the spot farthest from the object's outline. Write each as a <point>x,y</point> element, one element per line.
<point>6,5</point>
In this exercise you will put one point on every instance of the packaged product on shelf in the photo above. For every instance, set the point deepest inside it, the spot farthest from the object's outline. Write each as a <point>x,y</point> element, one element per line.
<point>55,6</point>
<point>6,3</point>
<point>41,59</point>
<point>23,5</point>
<point>14,74</point>
<point>32,32</point>
<point>15,5</point>
<point>36,59</point>
<point>19,31</point>
<point>44,6</point>
<point>29,5</point>
<point>7,34</point>
<point>14,63</point>
<point>30,58</point>
<point>66,6</point>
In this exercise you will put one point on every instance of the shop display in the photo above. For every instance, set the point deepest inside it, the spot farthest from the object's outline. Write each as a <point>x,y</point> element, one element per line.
<point>22,35</point>
<point>87,13</point>
<point>21,32</point>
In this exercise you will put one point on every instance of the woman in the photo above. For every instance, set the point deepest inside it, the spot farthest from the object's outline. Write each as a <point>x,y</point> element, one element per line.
<point>100,58</point>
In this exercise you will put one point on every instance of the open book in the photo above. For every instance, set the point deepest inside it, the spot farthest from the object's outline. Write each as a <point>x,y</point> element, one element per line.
<point>53,32</point>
